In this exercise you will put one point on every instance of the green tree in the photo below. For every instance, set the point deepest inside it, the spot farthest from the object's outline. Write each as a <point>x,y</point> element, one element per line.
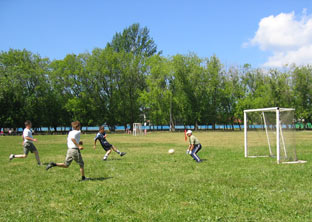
<point>24,88</point>
<point>135,40</point>
<point>214,69</point>
<point>188,88</point>
<point>156,97</point>
<point>70,82</point>
<point>302,90</point>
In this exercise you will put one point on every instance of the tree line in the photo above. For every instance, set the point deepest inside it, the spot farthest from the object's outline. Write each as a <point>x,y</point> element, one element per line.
<point>130,81</point>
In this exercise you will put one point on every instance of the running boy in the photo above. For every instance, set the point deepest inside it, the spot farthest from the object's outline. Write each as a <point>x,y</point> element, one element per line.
<point>27,144</point>
<point>101,136</point>
<point>73,152</point>
<point>194,146</point>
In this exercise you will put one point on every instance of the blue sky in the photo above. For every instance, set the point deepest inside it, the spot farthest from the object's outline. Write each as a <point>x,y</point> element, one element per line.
<point>224,28</point>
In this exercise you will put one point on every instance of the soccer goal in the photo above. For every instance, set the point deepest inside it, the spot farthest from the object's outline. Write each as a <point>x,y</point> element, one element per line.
<point>137,129</point>
<point>270,132</point>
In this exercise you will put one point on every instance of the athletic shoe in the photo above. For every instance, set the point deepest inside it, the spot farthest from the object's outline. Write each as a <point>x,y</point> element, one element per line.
<point>50,165</point>
<point>122,153</point>
<point>11,157</point>
<point>85,179</point>
<point>104,159</point>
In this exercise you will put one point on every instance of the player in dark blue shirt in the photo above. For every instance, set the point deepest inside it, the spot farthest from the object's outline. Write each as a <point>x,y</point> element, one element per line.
<point>101,136</point>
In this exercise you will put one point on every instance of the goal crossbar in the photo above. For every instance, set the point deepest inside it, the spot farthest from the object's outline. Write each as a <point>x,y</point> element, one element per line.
<point>272,109</point>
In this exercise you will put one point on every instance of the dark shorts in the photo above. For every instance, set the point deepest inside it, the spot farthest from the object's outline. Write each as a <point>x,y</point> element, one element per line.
<point>29,147</point>
<point>107,146</point>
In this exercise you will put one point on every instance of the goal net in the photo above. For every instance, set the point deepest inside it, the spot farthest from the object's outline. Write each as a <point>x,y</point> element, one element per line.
<point>270,132</point>
<point>137,129</point>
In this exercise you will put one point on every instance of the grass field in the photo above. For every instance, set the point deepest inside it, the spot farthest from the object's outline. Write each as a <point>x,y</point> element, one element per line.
<point>148,184</point>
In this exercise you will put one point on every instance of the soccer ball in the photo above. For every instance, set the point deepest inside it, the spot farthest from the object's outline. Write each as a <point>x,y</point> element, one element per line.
<point>171,151</point>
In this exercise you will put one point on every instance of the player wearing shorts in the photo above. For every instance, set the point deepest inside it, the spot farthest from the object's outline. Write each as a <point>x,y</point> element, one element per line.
<point>27,144</point>
<point>101,136</point>
<point>194,146</point>
<point>73,151</point>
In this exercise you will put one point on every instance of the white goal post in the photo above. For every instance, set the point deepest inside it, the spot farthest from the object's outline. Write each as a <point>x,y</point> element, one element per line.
<point>137,129</point>
<point>269,128</point>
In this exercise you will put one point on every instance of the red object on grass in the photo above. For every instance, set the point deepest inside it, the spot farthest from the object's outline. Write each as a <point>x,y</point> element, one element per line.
<point>185,136</point>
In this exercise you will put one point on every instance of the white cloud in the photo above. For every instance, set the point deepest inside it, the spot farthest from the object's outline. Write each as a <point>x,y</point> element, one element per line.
<point>288,38</point>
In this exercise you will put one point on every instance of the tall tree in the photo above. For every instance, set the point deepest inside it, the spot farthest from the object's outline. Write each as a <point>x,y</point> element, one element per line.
<point>24,88</point>
<point>136,40</point>
<point>302,78</point>
<point>156,97</point>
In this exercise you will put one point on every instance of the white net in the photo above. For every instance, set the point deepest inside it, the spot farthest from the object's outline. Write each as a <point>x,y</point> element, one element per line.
<point>263,136</point>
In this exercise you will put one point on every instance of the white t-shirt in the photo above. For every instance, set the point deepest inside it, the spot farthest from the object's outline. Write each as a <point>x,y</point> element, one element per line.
<point>27,133</point>
<point>74,134</point>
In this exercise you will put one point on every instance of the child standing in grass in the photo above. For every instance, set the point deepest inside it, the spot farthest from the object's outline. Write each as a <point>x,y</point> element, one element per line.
<point>101,136</point>
<point>73,151</point>
<point>27,144</point>
<point>194,146</point>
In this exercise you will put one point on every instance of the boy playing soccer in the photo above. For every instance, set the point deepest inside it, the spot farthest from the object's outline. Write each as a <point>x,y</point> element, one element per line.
<point>27,144</point>
<point>73,152</point>
<point>194,146</point>
<point>101,136</point>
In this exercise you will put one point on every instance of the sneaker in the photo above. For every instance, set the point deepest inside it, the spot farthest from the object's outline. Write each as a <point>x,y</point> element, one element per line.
<point>104,159</point>
<point>122,153</point>
<point>85,179</point>
<point>50,165</point>
<point>11,157</point>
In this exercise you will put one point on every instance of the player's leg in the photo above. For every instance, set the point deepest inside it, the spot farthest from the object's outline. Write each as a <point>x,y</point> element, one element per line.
<point>52,164</point>
<point>199,148</point>
<point>195,157</point>
<point>26,151</point>
<point>194,153</point>
<point>34,150</point>
<point>78,158</point>
<point>12,156</point>
<point>82,173</point>
<point>37,157</point>
<point>108,151</point>
<point>68,159</point>
<point>117,151</point>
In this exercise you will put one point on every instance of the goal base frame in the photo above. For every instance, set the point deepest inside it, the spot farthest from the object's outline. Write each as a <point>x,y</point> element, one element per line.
<point>295,162</point>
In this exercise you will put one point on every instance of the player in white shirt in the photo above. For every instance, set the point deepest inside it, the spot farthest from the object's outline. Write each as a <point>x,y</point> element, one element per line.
<point>73,151</point>
<point>27,144</point>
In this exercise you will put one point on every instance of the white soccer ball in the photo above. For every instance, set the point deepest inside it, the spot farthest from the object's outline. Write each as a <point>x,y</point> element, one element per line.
<point>171,151</point>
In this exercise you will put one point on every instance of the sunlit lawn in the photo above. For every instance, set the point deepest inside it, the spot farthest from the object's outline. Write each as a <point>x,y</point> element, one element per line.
<point>148,184</point>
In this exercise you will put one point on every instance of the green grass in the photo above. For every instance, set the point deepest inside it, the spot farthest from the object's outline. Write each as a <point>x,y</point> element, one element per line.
<point>148,184</point>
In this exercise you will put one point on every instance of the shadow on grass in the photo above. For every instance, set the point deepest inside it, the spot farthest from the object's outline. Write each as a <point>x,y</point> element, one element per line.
<point>112,159</point>
<point>96,179</point>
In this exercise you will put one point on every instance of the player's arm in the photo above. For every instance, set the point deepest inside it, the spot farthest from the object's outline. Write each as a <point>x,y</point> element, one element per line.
<point>95,139</point>
<point>75,142</point>
<point>31,139</point>
<point>191,147</point>
<point>94,147</point>
<point>188,149</point>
